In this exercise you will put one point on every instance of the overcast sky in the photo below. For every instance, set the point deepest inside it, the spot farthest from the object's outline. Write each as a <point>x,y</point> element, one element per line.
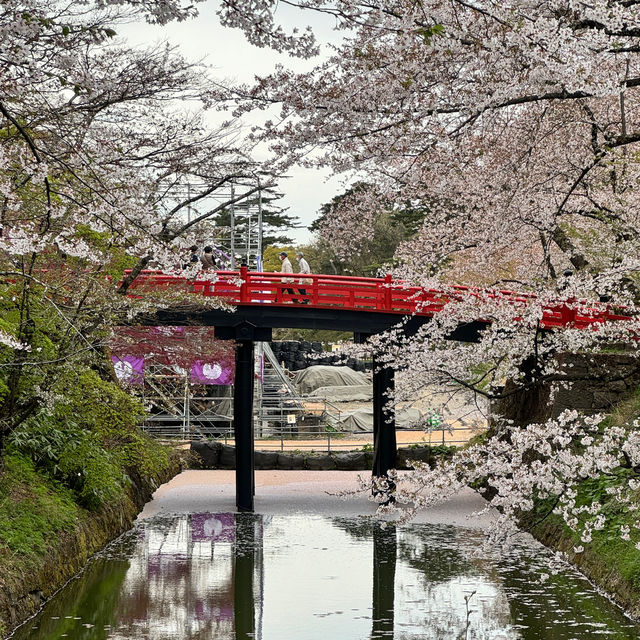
<point>232,57</point>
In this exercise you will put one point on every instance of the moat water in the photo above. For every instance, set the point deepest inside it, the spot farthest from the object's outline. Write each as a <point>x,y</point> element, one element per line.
<point>313,577</point>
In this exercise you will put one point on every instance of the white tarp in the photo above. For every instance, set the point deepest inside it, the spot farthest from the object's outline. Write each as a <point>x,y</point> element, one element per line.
<point>362,419</point>
<point>312,378</point>
<point>354,393</point>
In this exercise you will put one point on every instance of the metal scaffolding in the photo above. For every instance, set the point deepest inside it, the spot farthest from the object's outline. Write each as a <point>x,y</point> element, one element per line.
<point>179,407</point>
<point>245,239</point>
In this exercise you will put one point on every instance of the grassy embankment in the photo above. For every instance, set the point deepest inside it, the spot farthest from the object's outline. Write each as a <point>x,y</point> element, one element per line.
<point>71,479</point>
<point>610,561</point>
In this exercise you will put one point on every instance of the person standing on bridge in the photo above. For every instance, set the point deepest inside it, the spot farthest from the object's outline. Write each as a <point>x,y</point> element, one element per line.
<point>192,257</point>
<point>286,268</point>
<point>305,270</point>
<point>207,260</point>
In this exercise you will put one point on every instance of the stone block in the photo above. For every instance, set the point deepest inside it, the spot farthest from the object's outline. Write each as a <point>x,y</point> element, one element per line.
<point>351,461</point>
<point>320,462</point>
<point>266,459</point>
<point>618,386</point>
<point>290,461</point>
<point>227,458</point>
<point>604,400</point>
<point>209,453</point>
<point>422,454</point>
<point>368,456</point>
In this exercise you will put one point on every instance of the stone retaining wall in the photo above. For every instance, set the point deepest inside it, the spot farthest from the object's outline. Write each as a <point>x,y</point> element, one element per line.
<point>216,455</point>
<point>19,601</point>
<point>595,383</point>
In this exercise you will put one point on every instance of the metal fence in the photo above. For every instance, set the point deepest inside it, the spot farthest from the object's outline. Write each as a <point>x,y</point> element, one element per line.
<point>313,426</point>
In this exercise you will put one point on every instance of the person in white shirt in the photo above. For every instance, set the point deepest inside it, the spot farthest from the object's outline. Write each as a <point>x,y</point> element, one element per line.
<point>286,268</point>
<point>304,269</point>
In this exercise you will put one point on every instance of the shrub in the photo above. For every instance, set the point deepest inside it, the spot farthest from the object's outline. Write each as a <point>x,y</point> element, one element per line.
<point>71,455</point>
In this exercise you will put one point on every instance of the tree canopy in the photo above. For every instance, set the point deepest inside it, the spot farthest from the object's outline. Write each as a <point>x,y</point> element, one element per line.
<point>98,142</point>
<point>513,126</point>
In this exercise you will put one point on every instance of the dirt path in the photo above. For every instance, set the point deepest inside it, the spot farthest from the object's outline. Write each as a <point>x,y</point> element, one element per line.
<point>280,492</point>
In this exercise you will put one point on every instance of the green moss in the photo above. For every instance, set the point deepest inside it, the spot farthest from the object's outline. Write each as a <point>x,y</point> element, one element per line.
<point>34,509</point>
<point>610,561</point>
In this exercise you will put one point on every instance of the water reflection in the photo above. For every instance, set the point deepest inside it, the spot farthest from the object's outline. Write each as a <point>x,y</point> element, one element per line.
<point>241,576</point>
<point>385,545</point>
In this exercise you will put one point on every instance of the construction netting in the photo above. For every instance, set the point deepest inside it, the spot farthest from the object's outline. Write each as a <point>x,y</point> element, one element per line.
<point>312,378</point>
<point>362,419</point>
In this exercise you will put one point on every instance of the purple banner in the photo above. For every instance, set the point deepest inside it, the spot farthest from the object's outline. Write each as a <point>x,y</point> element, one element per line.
<point>219,527</point>
<point>214,610</point>
<point>211,373</point>
<point>129,369</point>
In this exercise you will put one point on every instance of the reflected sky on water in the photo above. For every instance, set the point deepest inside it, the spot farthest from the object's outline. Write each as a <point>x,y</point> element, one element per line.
<point>240,576</point>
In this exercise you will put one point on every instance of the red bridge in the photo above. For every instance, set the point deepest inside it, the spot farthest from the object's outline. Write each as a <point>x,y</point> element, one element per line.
<point>366,306</point>
<point>378,295</point>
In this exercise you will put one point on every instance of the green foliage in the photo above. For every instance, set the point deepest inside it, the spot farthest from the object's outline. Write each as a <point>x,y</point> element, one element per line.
<point>435,450</point>
<point>370,256</point>
<point>105,409</point>
<point>90,441</point>
<point>92,472</point>
<point>428,32</point>
<point>34,510</point>
<point>616,555</point>
<point>73,456</point>
<point>102,242</point>
<point>271,261</point>
<point>313,335</point>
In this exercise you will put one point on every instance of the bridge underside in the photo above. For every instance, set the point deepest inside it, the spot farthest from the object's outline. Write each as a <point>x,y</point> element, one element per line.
<point>298,316</point>
<point>250,323</point>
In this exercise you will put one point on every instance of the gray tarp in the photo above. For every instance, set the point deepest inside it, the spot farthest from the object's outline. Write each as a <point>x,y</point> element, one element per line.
<point>362,419</point>
<point>312,378</point>
<point>356,392</point>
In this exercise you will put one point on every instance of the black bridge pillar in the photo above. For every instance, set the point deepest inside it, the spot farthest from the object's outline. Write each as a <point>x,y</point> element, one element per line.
<point>243,425</point>
<point>245,334</point>
<point>244,611</point>
<point>384,420</point>
<point>385,549</point>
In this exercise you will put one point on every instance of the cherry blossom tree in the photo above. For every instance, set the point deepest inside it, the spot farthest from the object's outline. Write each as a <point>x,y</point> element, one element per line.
<point>514,124</point>
<point>103,150</point>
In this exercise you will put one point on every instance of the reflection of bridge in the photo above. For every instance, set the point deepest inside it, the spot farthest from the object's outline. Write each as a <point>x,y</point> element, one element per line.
<point>215,566</point>
<point>365,306</point>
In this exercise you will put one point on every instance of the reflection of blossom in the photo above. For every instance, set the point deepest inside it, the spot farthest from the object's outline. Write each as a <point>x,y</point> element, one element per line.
<point>212,371</point>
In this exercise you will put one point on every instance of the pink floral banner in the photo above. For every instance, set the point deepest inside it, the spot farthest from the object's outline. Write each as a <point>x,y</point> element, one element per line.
<point>129,369</point>
<point>212,373</point>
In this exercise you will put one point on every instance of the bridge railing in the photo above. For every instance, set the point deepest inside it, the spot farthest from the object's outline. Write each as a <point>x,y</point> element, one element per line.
<point>320,290</point>
<point>246,287</point>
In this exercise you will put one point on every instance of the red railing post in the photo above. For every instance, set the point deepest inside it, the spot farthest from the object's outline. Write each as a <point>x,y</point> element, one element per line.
<point>567,314</point>
<point>387,291</point>
<point>244,285</point>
